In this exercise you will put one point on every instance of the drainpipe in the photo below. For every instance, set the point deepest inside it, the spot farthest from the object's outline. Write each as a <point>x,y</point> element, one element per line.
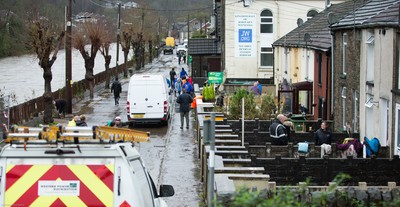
<point>332,70</point>
<point>278,26</point>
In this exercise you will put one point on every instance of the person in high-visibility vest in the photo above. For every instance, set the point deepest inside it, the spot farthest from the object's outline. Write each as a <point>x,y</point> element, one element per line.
<point>194,103</point>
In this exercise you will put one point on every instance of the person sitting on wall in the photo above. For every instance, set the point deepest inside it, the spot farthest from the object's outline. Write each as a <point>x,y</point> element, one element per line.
<point>278,131</point>
<point>323,135</point>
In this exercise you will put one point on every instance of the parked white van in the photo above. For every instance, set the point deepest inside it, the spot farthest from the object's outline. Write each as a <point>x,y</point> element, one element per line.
<point>148,99</point>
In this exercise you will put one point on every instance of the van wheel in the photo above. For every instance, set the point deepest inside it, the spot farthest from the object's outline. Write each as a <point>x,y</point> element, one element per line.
<point>131,124</point>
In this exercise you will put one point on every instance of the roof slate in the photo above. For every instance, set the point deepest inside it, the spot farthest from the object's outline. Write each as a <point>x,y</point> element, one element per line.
<point>318,28</point>
<point>373,13</point>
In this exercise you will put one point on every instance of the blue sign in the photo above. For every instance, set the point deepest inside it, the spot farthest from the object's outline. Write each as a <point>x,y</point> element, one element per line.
<point>245,35</point>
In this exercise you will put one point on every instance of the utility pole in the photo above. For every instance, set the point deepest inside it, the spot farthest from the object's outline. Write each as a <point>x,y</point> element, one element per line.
<point>68,59</point>
<point>187,52</point>
<point>118,32</point>
<point>142,44</point>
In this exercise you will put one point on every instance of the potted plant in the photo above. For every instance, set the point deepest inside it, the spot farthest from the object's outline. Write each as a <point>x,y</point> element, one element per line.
<point>209,93</point>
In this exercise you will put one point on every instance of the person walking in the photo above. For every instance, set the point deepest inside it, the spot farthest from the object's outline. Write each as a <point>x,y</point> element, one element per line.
<point>183,73</point>
<point>179,57</point>
<point>184,100</point>
<point>172,75</point>
<point>187,86</point>
<point>116,88</point>
<point>178,87</point>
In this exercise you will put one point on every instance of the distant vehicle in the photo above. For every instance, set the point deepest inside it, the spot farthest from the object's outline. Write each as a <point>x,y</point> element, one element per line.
<point>98,172</point>
<point>148,99</point>
<point>181,48</point>
<point>168,50</point>
<point>169,45</point>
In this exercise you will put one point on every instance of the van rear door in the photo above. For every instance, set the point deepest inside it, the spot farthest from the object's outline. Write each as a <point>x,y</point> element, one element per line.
<point>46,182</point>
<point>155,100</point>
<point>138,97</point>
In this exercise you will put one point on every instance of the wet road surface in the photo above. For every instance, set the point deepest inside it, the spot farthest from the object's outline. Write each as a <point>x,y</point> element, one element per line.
<point>171,154</point>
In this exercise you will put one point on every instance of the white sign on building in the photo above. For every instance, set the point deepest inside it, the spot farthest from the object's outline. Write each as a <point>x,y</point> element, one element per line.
<point>245,39</point>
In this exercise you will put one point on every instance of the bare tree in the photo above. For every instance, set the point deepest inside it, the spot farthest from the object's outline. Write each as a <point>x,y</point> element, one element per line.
<point>126,41</point>
<point>88,41</point>
<point>105,51</point>
<point>44,40</point>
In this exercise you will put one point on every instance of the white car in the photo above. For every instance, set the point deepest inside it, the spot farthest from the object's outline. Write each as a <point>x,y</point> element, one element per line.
<point>181,48</point>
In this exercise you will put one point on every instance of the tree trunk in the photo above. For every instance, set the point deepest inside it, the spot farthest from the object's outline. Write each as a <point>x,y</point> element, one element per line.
<point>47,96</point>
<point>108,72</point>
<point>150,51</point>
<point>89,65</point>
<point>142,50</point>
<point>137,58</point>
<point>125,62</point>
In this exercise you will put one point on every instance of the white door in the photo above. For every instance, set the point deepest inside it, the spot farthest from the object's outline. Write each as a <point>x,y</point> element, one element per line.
<point>384,116</point>
<point>397,130</point>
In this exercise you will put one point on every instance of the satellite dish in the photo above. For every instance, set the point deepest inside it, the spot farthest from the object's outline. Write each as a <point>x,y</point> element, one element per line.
<point>332,19</point>
<point>299,22</point>
<point>307,37</point>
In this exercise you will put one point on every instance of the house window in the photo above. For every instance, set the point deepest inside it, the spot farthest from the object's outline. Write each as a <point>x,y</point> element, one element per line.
<point>266,25</point>
<point>370,56</point>
<point>320,68</point>
<point>267,57</point>
<point>311,14</point>
<point>344,46</point>
<point>344,95</point>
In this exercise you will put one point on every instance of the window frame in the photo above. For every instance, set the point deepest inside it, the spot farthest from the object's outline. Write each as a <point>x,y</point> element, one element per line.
<point>370,57</point>
<point>344,97</point>
<point>344,48</point>
<point>266,21</point>
<point>270,53</point>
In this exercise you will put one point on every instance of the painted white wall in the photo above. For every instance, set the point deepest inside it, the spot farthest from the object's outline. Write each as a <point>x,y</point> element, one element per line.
<point>383,66</point>
<point>285,15</point>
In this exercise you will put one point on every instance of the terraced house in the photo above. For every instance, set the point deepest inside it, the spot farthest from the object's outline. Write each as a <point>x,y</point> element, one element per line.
<point>366,71</point>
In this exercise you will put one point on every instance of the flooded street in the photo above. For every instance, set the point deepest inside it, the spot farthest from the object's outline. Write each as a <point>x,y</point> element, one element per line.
<point>171,154</point>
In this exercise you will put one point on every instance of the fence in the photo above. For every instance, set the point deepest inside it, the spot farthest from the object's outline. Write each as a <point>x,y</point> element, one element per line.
<point>31,108</point>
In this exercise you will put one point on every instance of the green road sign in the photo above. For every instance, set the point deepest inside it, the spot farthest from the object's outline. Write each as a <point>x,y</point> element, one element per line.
<point>215,77</point>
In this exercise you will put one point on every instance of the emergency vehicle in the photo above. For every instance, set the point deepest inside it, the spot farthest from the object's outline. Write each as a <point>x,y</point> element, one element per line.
<point>76,166</point>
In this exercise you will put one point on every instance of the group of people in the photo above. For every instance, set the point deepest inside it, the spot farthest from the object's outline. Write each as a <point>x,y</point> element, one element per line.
<point>183,81</point>
<point>181,57</point>
<point>256,88</point>
<point>78,121</point>
<point>280,132</point>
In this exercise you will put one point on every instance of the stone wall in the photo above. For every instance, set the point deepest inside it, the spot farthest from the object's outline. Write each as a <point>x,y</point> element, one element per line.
<point>321,171</point>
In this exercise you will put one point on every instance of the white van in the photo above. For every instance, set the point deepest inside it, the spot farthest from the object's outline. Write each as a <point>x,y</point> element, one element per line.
<point>148,99</point>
